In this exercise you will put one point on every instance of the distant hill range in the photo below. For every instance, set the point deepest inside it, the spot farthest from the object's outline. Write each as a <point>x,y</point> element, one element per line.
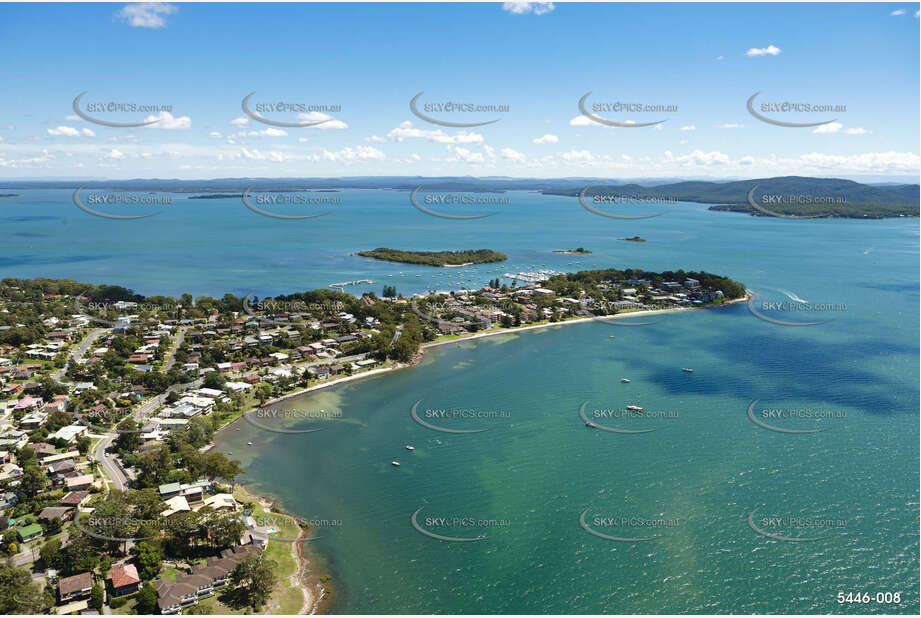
<point>803,196</point>
<point>831,197</point>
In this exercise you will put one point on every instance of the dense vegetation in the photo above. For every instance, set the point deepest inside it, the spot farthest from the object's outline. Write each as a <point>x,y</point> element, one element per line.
<point>436,258</point>
<point>848,198</point>
<point>587,280</point>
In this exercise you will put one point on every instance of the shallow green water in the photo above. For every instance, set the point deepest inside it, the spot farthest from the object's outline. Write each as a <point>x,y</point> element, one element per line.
<point>705,468</point>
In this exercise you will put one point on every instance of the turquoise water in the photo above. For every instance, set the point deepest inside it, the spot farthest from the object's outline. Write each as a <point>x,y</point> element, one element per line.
<point>538,467</point>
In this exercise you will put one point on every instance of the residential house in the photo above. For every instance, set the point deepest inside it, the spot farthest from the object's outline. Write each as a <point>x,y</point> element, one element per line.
<point>51,512</point>
<point>32,531</point>
<point>75,499</point>
<point>124,579</point>
<point>77,483</point>
<point>75,587</point>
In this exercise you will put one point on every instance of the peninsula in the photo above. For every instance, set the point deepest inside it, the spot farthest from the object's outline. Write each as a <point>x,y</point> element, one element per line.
<point>115,399</point>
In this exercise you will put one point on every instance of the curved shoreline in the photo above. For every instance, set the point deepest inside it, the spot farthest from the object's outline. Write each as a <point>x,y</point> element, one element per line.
<point>314,601</point>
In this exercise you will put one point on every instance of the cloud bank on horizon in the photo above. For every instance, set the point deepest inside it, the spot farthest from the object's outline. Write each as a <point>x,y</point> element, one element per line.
<point>504,94</point>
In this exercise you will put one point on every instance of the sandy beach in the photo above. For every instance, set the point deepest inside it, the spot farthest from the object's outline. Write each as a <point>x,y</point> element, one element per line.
<point>493,333</point>
<point>305,578</point>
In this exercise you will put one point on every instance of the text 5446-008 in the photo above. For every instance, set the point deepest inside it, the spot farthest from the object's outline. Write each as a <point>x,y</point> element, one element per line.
<point>866,597</point>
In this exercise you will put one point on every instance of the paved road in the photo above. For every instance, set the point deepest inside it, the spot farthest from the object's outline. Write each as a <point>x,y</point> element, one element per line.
<point>108,465</point>
<point>76,355</point>
<point>397,334</point>
<point>26,556</point>
<point>177,341</point>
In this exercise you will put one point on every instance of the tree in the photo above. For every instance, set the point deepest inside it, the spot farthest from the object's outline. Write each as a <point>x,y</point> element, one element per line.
<point>33,481</point>
<point>51,554</point>
<point>263,392</point>
<point>214,380</point>
<point>19,594</point>
<point>96,597</point>
<point>129,438</point>
<point>83,444</point>
<point>54,526</point>
<point>255,578</point>
<point>147,600</point>
<point>150,559</point>
<point>154,467</point>
<point>80,554</point>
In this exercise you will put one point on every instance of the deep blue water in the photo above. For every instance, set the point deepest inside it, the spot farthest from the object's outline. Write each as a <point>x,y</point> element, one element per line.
<point>706,468</point>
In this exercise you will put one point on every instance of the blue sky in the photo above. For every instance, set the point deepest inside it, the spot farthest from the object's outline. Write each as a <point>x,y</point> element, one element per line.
<point>538,59</point>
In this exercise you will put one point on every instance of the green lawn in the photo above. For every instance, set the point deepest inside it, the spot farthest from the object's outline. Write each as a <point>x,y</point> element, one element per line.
<point>127,608</point>
<point>286,599</point>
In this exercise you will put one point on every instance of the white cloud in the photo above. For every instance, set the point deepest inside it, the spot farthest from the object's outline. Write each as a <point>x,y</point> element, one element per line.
<point>62,130</point>
<point>512,155</point>
<point>350,155</point>
<point>146,14</point>
<point>546,139</point>
<point>270,132</point>
<point>406,130</point>
<point>115,154</point>
<point>898,12</point>
<point>468,156</point>
<point>257,155</point>
<point>318,116</point>
<point>720,57</point>
<point>835,127</point>
<point>682,142</point>
<point>877,162</point>
<point>730,125</point>
<point>831,127</point>
<point>522,7</point>
<point>688,127</point>
<point>578,155</point>
<point>215,134</point>
<point>376,139</point>
<point>169,123</point>
<point>240,121</point>
<point>770,50</point>
<point>73,118</point>
<point>582,121</point>
<point>698,158</point>
<point>71,132</point>
<point>301,140</point>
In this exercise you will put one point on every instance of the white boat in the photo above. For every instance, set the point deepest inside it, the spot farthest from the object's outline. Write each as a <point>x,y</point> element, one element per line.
<point>590,424</point>
<point>395,463</point>
<point>249,444</point>
<point>687,370</point>
<point>410,448</point>
<point>625,380</point>
<point>635,408</point>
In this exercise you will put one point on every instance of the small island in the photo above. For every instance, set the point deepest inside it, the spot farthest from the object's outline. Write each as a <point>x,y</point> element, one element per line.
<point>436,258</point>
<point>633,239</point>
<point>580,250</point>
<point>215,196</point>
